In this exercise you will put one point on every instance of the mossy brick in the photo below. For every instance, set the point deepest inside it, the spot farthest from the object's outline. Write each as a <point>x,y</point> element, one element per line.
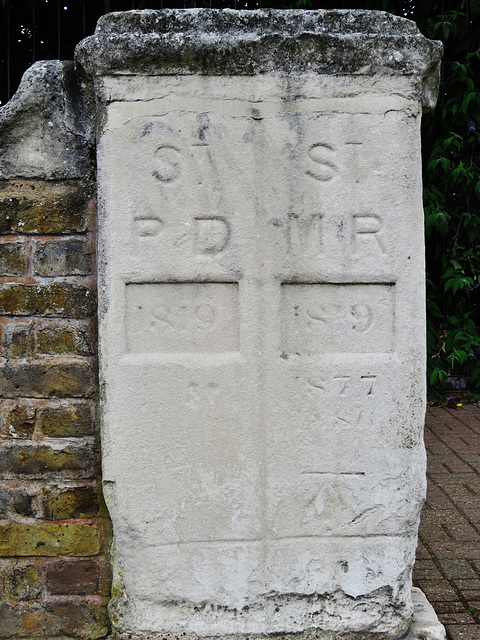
<point>26,583</point>
<point>47,379</point>
<point>56,300</point>
<point>38,460</point>
<point>49,540</point>
<point>63,258</point>
<point>41,207</point>
<point>4,501</point>
<point>53,619</point>
<point>23,503</point>
<point>64,340</point>
<point>13,259</point>
<point>20,421</point>
<point>78,502</point>
<point>17,340</point>
<point>67,421</point>
<point>73,578</point>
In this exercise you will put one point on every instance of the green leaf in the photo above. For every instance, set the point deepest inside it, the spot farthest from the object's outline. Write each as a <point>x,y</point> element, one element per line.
<point>439,375</point>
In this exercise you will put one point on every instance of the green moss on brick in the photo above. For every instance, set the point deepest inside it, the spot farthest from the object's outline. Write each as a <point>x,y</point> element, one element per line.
<point>79,502</point>
<point>17,340</point>
<point>63,258</point>
<point>23,503</point>
<point>13,259</point>
<point>38,620</point>
<point>55,300</point>
<point>47,379</point>
<point>20,421</point>
<point>37,460</point>
<point>36,207</point>
<point>59,340</point>
<point>4,504</point>
<point>26,583</point>
<point>49,540</point>
<point>67,421</point>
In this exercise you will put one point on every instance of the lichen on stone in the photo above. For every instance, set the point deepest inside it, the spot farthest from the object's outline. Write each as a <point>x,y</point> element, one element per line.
<point>228,42</point>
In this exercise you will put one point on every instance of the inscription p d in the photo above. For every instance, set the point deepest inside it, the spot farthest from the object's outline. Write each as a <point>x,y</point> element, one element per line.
<point>211,235</point>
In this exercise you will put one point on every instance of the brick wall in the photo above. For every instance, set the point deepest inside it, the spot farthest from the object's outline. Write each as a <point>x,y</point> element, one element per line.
<point>54,529</point>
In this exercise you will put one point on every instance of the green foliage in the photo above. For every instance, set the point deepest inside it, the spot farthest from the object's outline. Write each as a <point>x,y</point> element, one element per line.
<point>451,151</point>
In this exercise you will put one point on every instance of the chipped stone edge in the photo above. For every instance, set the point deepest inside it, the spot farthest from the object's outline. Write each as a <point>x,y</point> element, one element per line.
<point>424,626</point>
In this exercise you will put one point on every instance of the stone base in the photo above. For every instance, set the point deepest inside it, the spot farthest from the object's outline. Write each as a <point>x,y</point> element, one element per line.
<point>424,626</point>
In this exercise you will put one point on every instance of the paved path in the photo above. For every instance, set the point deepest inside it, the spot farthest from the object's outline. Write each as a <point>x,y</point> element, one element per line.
<point>448,557</point>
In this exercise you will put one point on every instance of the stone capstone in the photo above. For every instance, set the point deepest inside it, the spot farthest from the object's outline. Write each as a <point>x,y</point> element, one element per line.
<point>230,42</point>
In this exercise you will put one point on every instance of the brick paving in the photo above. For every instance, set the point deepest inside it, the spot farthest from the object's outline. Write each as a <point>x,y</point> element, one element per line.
<point>448,556</point>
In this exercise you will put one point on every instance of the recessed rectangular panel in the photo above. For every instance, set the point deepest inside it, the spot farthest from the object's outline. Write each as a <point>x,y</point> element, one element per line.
<point>192,317</point>
<point>337,318</point>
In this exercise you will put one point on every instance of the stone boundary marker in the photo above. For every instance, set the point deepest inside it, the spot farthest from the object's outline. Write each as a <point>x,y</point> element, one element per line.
<point>261,317</point>
<point>261,320</point>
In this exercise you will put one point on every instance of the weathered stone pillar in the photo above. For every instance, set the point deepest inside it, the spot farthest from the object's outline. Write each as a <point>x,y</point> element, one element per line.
<point>262,342</point>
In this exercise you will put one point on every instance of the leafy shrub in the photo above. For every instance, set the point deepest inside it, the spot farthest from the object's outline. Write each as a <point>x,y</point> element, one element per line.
<point>451,152</point>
